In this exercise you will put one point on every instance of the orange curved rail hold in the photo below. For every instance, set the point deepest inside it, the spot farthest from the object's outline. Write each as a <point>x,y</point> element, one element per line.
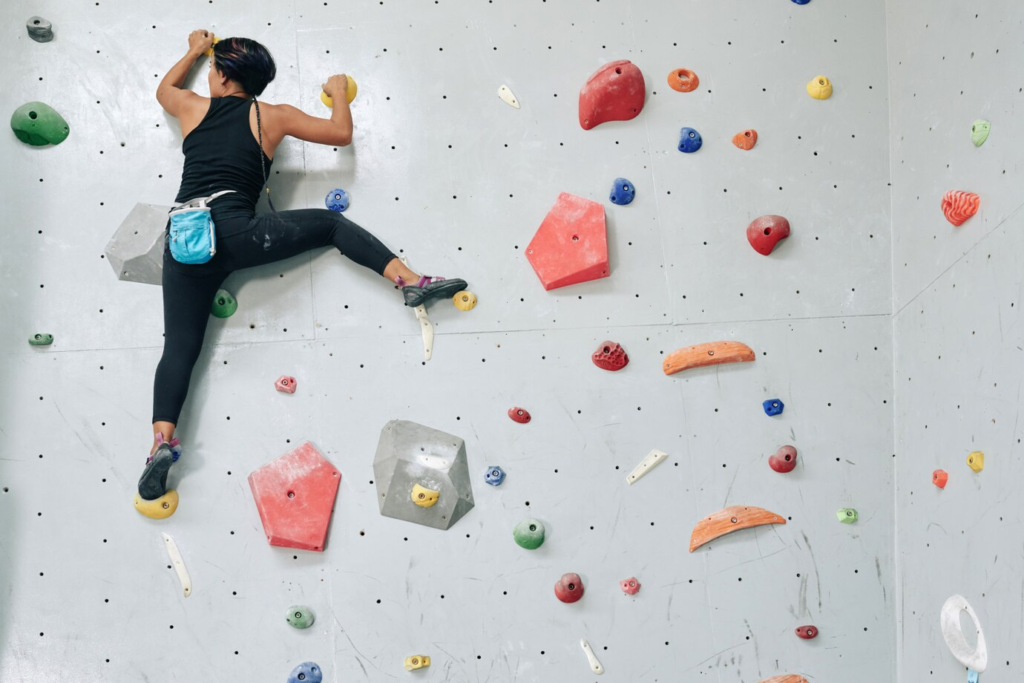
<point>711,353</point>
<point>786,678</point>
<point>728,520</point>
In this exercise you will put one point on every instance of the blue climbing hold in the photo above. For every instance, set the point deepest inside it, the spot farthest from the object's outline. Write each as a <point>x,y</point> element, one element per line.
<point>307,672</point>
<point>622,192</point>
<point>689,141</point>
<point>494,476</point>
<point>801,2</point>
<point>773,406</point>
<point>337,200</point>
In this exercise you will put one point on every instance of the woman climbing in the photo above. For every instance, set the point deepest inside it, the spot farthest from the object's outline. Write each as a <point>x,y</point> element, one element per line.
<point>228,141</point>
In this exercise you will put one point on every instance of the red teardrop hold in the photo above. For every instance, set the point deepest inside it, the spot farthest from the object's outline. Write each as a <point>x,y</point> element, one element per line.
<point>615,92</point>
<point>520,415</point>
<point>765,232</point>
<point>807,632</point>
<point>784,459</point>
<point>569,588</point>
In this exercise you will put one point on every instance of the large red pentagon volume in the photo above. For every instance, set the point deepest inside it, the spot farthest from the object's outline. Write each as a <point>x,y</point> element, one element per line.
<point>571,244</point>
<point>295,496</point>
<point>615,92</point>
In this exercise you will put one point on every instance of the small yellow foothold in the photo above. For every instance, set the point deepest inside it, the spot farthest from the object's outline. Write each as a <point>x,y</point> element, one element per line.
<point>350,93</point>
<point>820,88</point>
<point>416,662</point>
<point>161,508</point>
<point>464,301</point>
<point>423,496</point>
<point>976,461</point>
<point>209,51</point>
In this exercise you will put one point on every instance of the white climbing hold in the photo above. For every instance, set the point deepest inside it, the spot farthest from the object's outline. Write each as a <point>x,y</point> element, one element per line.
<point>179,564</point>
<point>427,329</point>
<point>506,95</point>
<point>595,665</point>
<point>646,465</point>
<point>975,658</point>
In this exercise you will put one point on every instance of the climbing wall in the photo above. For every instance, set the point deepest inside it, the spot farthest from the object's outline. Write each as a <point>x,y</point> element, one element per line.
<point>957,328</point>
<point>457,181</point>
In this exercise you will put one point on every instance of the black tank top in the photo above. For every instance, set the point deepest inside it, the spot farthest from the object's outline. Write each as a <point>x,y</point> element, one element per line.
<point>222,154</point>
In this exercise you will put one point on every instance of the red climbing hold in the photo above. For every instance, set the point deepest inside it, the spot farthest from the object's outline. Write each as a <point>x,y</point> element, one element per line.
<point>959,206</point>
<point>784,459</point>
<point>745,139</point>
<point>939,478</point>
<point>610,356</point>
<point>615,92</point>
<point>295,496</point>
<point>571,244</point>
<point>520,415</point>
<point>807,632</point>
<point>569,588</point>
<point>286,384</point>
<point>765,232</point>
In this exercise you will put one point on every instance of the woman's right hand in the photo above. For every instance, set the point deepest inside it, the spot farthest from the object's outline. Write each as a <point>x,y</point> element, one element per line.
<point>336,85</point>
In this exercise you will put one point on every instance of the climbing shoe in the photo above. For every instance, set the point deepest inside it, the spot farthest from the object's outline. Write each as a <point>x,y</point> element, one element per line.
<point>430,288</point>
<point>153,482</point>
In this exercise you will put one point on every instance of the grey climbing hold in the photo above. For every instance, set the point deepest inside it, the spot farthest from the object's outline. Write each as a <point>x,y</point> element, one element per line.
<point>410,454</point>
<point>39,29</point>
<point>136,251</point>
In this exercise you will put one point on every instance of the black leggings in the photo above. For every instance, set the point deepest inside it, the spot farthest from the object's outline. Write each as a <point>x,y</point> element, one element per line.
<point>189,289</point>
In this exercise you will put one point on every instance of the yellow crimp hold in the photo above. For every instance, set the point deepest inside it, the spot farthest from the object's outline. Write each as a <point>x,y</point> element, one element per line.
<point>209,51</point>
<point>350,93</point>
<point>416,662</point>
<point>976,461</point>
<point>464,301</point>
<point>820,88</point>
<point>423,496</point>
<point>161,508</point>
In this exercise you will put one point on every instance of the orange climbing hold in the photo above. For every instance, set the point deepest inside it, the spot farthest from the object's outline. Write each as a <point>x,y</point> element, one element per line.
<point>571,245</point>
<point>683,80</point>
<point>295,497</point>
<point>615,92</point>
<point>959,206</point>
<point>711,353</point>
<point>745,139</point>
<point>940,477</point>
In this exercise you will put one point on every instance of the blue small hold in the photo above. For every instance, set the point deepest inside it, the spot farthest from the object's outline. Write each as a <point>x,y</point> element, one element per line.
<point>337,200</point>
<point>773,406</point>
<point>689,141</point>
<point>494,476</point>
<point>307,672</point>
<point>801,2</point>
<point>623,192</point>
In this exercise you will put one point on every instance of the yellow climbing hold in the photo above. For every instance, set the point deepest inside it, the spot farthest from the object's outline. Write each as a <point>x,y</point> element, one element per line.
<point>464,301</point>
<point>416,662</point>
<point>423,496</point>
<point>161,508</point>
<point>976,461</point>
<point>820,88</point>
<point>350,93</point>
<point>209,51</point>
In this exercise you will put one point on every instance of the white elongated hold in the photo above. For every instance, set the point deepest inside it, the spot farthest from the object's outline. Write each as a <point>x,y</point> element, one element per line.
<point>595,665</point>
<point>646,465</point>
<point>975,658</point>
<point>428,331</point>
<point>179,564</point>
<point>507,97</point>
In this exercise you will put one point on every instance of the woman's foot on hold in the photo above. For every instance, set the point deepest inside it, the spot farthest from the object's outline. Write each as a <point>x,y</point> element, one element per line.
<point>429,288</point>
<point>153,482</point>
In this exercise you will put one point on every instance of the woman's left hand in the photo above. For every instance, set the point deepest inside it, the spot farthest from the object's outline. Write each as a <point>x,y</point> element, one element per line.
<point>199,41</point>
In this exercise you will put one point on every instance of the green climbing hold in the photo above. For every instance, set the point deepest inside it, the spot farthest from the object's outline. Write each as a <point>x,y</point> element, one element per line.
<point>529,534</point>
<point>224,305</point>
<point>40,339</point>
<point>979,132</point>
<point>39,124</point>
<point>846,515</point>
<point>300,616</point>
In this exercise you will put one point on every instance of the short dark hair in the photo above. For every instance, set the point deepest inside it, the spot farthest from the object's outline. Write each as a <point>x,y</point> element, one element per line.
<point>246,62</point>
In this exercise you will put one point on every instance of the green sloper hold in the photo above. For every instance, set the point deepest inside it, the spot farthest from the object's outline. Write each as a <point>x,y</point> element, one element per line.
<point>979,132</point>
<point>224,305</point>
<point>40,339</point>
<point>846,515</point>
<point>300,616</point>
<point>529,534</point>
<point>39,124</point>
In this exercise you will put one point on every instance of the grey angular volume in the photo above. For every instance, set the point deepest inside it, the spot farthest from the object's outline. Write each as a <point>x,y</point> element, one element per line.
<point>409,454</point>
<point>136,251</point>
